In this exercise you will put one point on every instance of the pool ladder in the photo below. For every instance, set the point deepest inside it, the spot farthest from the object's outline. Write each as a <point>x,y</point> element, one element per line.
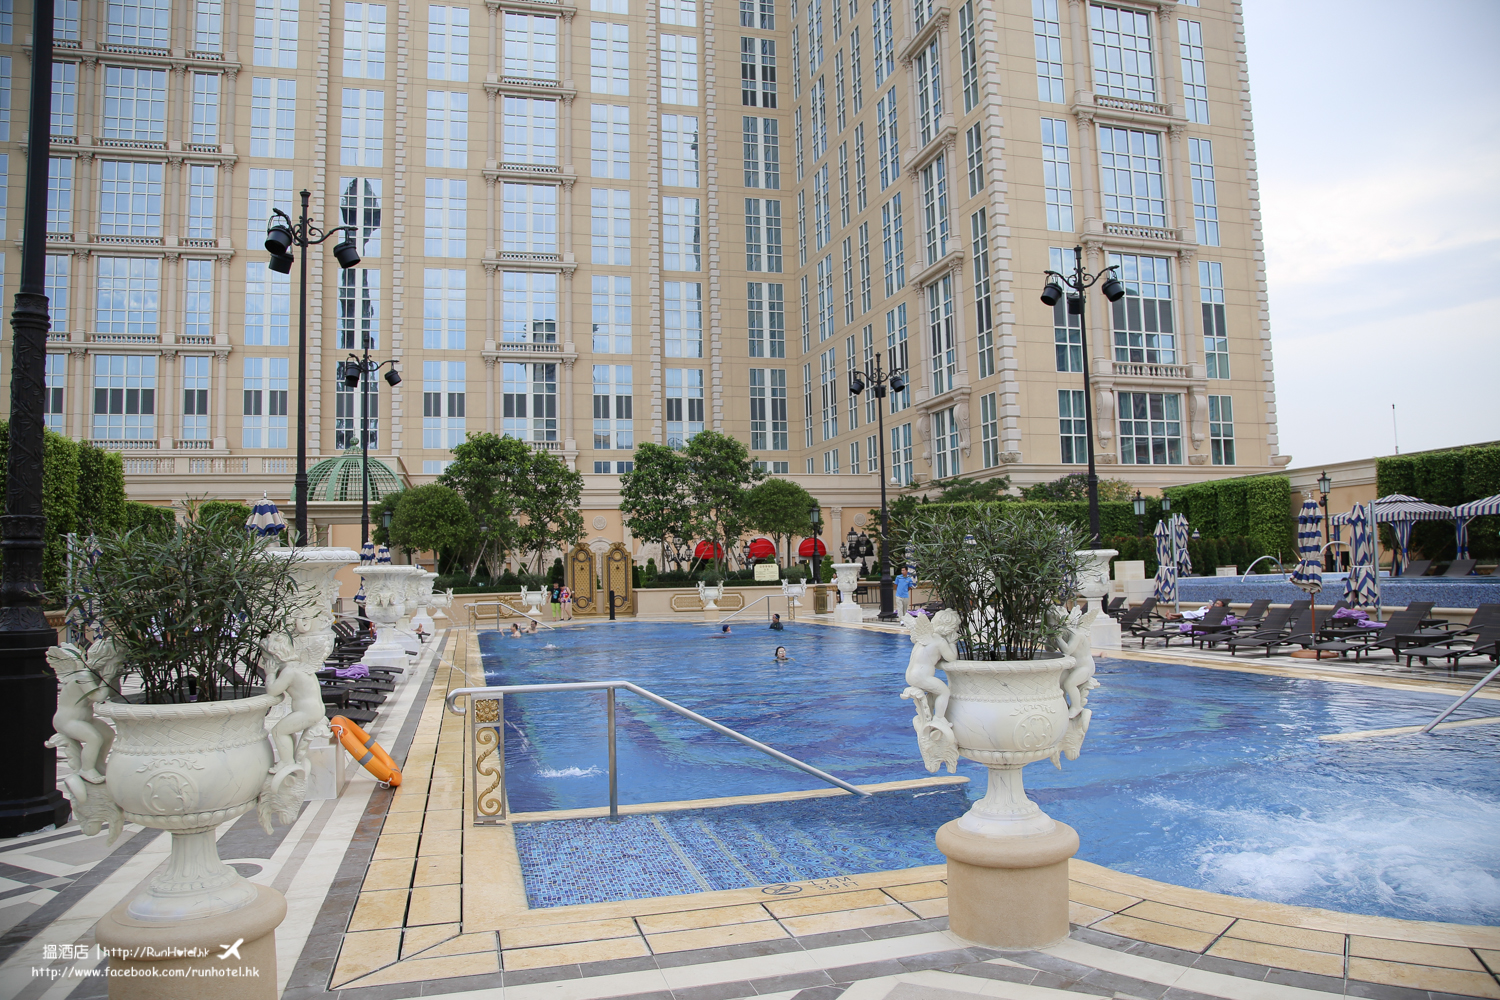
<point>484,709</point>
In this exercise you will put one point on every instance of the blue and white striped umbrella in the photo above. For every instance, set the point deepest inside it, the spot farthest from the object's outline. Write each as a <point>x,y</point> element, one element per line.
<point>359,598</point>
<point>1399,559</point>
<point>367,553</point>
<point>1464,511</point>
<point>1180,533</point>
<point>1361,587</point>
<point>264,518</point>
<point>1308,575</point>
<point>383,556</point>
<point>1166,573</point>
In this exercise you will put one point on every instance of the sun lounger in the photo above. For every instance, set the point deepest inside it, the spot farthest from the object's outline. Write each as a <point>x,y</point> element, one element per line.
<point>1460,567</point>
<point>1268,639</point>
<point>1480,642</point>
<point>1418,567</point>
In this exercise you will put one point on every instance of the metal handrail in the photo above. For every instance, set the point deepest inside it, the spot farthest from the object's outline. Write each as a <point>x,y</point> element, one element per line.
<point>499,692</point>
<point>1455,706</point>
<point>752,604</point>
<point>1281,568</point>
<point>474,615</point>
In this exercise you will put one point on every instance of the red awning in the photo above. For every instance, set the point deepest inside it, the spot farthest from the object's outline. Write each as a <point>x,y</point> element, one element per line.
<point>762,548</point>
<point>708,550</point>
<point>806,549</point>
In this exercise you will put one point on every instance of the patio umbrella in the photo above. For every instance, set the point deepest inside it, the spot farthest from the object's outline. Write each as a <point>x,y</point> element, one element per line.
<point>1308,576</point>
<point>1361,586</point>
<point>1166,573</point>
<point>1180,542</point>
<point>264,518</point>
<point>1464,511</point>
<point>367,553</point>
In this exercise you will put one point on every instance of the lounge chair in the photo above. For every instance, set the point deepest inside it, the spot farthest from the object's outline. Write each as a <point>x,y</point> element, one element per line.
<point>1114,608</point>
<point>1256,611</point>
<point>1195,630</point>
<point>1481,642</point>
<point>1460,567</point>
<point>1138,617</point>
<point>1268,639</point>
<point>1400,623</point>
<point>1418,567</point>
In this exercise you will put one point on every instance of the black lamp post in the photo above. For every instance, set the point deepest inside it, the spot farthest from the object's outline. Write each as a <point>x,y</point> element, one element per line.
<point>879,382</point>
<point>281,235</point>
<point>815,516</point>
<point>1139,506</point>
<point>358,371</point>
<point>1079,282</point>
<point>29,799</point>
<point>1325,487</point>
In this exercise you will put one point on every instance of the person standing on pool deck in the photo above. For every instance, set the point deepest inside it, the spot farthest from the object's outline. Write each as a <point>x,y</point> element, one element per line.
<point>556,594</point>
<point>566,597</point>
<point>904,583</point>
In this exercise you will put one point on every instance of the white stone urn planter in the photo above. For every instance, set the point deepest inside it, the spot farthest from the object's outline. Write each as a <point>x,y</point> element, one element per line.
<point>385,602</point>
<point>534,599</point>
<point>186,769</point>
<point>793,591</point>
<point>847,578</point>
<point>423,596</point>
<point>439,603</point>
<point>1003,714</point>
<point>710,595</point>
<point>1093,587</point>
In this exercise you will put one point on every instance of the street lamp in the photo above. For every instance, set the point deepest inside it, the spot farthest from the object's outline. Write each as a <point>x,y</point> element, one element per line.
<point>879,382</point>
<point>1325,487</point>
<point>815,516</point>
<point>281,236</point>
<point>357,372</point>
<point>1079,282</point>
<point>1139,506</point>
<point>1166,504</point>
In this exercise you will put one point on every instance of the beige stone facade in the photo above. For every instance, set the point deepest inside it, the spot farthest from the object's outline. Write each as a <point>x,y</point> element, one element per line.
<point>564,249</point>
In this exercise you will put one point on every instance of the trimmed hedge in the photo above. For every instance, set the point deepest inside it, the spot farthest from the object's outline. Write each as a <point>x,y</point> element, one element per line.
<point>1116,517</point>
<point>145,515</point>
<point>1256,508</point>
<point>101,491</point>
<point>1448,478</point>
<point>60,503</point>
<point>225,508</point>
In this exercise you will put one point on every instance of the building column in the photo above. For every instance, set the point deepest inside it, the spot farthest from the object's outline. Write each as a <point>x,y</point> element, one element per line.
<point>489,394</point>
<point>1178,180</point>
<point>221,400</point>
<point>78,377</point>
<point>166,388</point>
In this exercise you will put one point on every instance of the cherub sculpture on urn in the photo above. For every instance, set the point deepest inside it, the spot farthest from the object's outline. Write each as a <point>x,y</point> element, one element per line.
<point>1007,860</point>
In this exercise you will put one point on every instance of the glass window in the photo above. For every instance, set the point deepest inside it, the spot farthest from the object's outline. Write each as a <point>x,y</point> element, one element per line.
<point>1205,195</point>
<point>444,308</point>
<point>1215,324</point>
<point>1057,174</point>
<point>273,117</point>
<point>268,306</point>
<point>610,226</point>
<point>447,129</point>
<point>195,386</point>
<point>896,354</point>
<point>901,453</point>
<point>758,14</point>
<point>1072,426</point>
<point>348,405</point>
<point>762,153</point>
<point>682,310</point>
<point>1194,71</point>
<point>529,130</point>
<point>758,72</point>
<point>1150,428</point>
<point>944,346</point>
<point>529,219</point>
<point>447,43</point>
<point>202,191</point>
<point>59,195</point>
<point>679,69</point>
<point>208,24</point>
<point>679,150</point>
<point>1221,429</point>
<point>681,235</point>
<point>766,315</point>
<point>1130,166</point>
<point>530,47</point>
<point>889,142</point>
<point>135,104</point>
<point>54,393</point>
<point>1142,320</point>
<point>1121,42</point>
<point>359,309</point>
<point>529,401</point>
<point>265,403</point>
<point>609,58</point>
<point>359,205</point>
<point>763,235</point>
<point>611,314</point>
<point>935,208</point>
<point>144,23</point>
<point>1067,327</point>
<point>683,12</point>
<point>198,302</point>
<point>768,409</point>
<point>684,404</point>
<point>442,404</point>
<point>610,141</point>
<point>364,40</point>
<point>614,406</point>
<point>128,297</point>
<point>276,33</point>
<point>528,307</point>
<point>363,128</point>
<point>56,280</point>
<point>968,53</point>
<point>984,324</point>
<point>927,68</point>
<point>447,214</point>
<point>945,441</point>
<point>124,396</point>
<point>893,242</point>
<point>989,430</point>
<point>268,189</point>
<point>65,20</point>
<point>205,126</point>
<point>64,98</point>
<point>865,299</point>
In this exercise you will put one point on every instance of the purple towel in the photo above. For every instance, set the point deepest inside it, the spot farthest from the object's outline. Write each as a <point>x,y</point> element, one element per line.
<point>1367,624</point>
<point>352,672</point>
<point>1357,614</point>
<point>1231,620</point>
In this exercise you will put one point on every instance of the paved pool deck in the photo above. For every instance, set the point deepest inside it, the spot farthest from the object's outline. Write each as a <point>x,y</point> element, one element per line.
<point>395,894</point>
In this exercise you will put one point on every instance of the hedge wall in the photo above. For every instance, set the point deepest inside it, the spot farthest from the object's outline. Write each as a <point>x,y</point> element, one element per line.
<point>144,515</point>
<point>1448,478</point>
<point>59,504</point>
<point>1256,508</point>
<point>1116,517</point>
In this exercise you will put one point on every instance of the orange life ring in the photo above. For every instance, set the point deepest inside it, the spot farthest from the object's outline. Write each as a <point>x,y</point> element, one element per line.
<point>364,749</point>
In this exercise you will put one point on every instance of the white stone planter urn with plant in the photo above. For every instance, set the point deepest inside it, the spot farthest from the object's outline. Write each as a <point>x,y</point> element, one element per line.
<point>385,603</point>
<point>1093,587</point>
<point>188,749</point>
<point>533,599</point>
<point>1019,697</point>
<point>846,575</point>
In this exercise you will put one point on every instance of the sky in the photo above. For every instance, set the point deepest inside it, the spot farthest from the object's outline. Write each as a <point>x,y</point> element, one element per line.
<point>1377,128</point>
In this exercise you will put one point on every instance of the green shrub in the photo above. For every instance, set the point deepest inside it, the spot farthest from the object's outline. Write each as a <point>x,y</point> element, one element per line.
<point>1450,478</point>
<point>214,510</point>
<point>145,515</point>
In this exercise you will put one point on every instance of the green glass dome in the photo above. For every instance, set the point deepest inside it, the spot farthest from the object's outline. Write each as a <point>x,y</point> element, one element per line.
<point>341,479</point>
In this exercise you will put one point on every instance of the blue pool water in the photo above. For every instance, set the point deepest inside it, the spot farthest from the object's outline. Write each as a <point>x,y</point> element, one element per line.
<point>1205,778</point>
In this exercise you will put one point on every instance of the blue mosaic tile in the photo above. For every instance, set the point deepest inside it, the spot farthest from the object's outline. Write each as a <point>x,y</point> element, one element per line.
<point>567,862</point>
<point>1395,593</point>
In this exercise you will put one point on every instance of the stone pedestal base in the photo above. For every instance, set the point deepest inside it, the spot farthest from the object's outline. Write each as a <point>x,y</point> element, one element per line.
<point>1008,892</point>
<point>712,614</point>
<point>328,771</point>
<point>848,611</point>
<point>195,946</point>
<point>1105,634</point>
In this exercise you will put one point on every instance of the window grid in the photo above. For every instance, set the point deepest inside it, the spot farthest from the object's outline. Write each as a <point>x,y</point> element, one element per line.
<point>205,124</point>
<point>443,404</point>
<point>447,43</point>
<point>135,104</point>
<point>530,47</point>
<point>127,297</point>
<point>198,301</point>
<point>896,354</point>
<point>757,72</point>
<point>766,319</point>
<point>1067,328</point>
<point>124,396</point>
<point>901,455</point>
<point>444,309</point>
<point>681,235</point>
<point>943,338</point>
<point>528,131</point>
<point>445,221</point>
<point>64,98</point>
<point>1205,194</point>
<point>54,390</point>
<point>364,40</point>
<point>763,235</point>
<point>974,138</point>
<point>276,33</point>
<point>848,263</point>
<point>60,195</point>
<point>850,366</point>
<point>682,314</point>
<point>1221,429</point>
<point>613,408</point>
<point>1121,44</point>
<point>609,141</point>
<point>143,23</point>
<point>1142,320</point>
<point>273,117</point>
<point>968,52</point>
<point>202,191</point>
<point>888,141</point>
<point>611,313</point>
<point>359,309</point>
<point>1194,73</point>
<point>768,410</point>
<point>56,281</point>
<point>1130,165</point>
<point>865,296</point>
<point>529,217</point>
<point>679,69</point>
<point>609,226</point>
<point>1150,428</point>
<point>861,188</point>
<point>762,152</point>
<point>856,72</point>
<point>359,206</point>
<point>447,129</point>
<point>945,441</point>
<point>984,325</point>
<point>195,386</point>
<point>208,24</point>
<point>684,404</point>
<point>268,189</point>
<point>609,58</point>
<point>825,298</point>
<point>883,37</point>
<point>1046,31</point>
<point>893,241</point>
<point>679,150</point>
<point>1215,323</point>
<point>927,69</point>
<point>363,134</point>
<point>1072,426</point>
<point>683,12</point>
<point>843,184</point>
<point>347,403</point>
<point>265,398</point>
<point>839,108</point>
<point>1057,175</point>
<point>935,208</point>
<point>528,307</point>
<point>989,430</point>
<point>828,394</point>
<point>760,14</point>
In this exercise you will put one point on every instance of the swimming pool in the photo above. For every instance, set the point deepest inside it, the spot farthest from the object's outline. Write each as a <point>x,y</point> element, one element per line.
<point>1205,778</point>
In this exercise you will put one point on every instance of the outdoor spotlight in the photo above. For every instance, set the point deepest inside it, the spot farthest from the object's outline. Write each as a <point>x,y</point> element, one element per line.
<point>349,372</point>
<point>1075,305</point>
<point>856,383</point>
<point>1325,485</point>
<point>898,382</point>
<point>345,254</point>
<point>1113,289</point>
<point>281,263</point>
<point>1139,504</point>
<point>393,378</point>
<point>278,237</point>
<point>1051,294</point>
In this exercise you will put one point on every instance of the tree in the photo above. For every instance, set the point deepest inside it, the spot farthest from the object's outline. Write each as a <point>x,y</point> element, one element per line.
<point>1075,487</point>
<point>779,507</point>
<point>483,470</point>
<point>547,495</point>
<point>971,490</point>
<point>432,517</point>
<point>655,497</point>
<point>720,472</point>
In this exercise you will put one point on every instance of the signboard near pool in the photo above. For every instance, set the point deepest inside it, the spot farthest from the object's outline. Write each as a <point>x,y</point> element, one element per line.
<point>767,572</point>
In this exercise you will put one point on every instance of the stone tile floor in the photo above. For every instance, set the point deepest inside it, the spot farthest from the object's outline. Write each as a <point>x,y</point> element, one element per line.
<point>394,894</point>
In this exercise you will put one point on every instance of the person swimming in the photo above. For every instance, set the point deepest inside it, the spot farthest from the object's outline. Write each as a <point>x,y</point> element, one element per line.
<point>515,630</point>
<point>781,654</point>
<point>723,630</point>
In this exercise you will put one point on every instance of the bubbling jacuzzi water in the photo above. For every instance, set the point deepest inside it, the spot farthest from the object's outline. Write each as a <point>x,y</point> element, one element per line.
<point>1213,779</point>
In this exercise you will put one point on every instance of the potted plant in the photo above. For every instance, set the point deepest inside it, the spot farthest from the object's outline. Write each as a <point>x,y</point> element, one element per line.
<point>710,589</point>
<point>189,625</point>
<point>1010,653</point>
